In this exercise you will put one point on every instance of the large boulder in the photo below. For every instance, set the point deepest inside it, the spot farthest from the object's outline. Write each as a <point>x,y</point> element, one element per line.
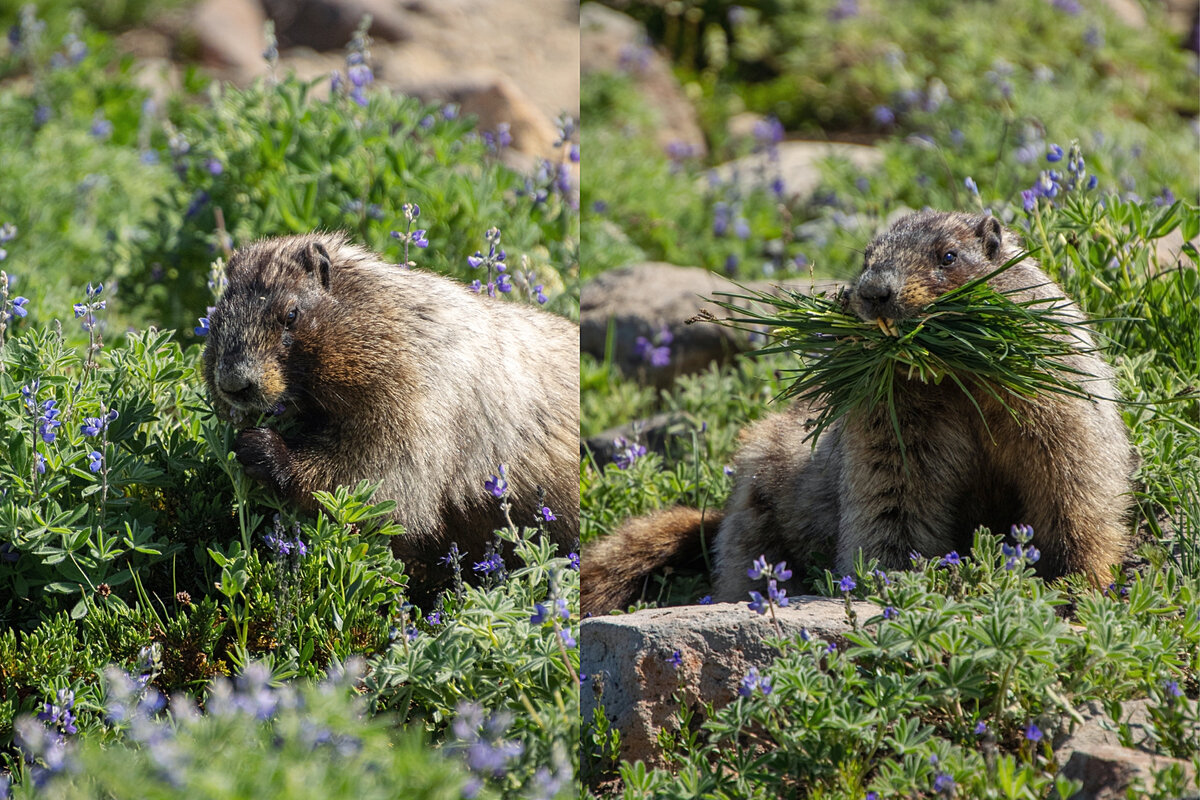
<point>627,660</point>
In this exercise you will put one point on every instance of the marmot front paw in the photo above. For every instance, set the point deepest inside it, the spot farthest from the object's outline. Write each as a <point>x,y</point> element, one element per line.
<point>264,456</point>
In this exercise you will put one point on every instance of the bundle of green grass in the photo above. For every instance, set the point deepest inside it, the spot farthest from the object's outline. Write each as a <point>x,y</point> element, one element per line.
<point>999,342</point>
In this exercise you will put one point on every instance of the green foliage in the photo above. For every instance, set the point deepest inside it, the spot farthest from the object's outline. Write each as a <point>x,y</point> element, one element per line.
<point>943,94</point>
<point>258,739</point>
<point>292,162</point>
<point>485,649</point>
<point>104,184</point>
<point>830,64</point>
<point>130,535</point>
<point>965,675</point>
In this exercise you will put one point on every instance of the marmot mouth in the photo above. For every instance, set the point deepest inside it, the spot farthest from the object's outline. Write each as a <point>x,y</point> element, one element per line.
<point>888,326</point>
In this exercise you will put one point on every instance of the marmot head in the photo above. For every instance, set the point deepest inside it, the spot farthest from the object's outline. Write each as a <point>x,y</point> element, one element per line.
<point>923,256</point>
<point>264,331</point>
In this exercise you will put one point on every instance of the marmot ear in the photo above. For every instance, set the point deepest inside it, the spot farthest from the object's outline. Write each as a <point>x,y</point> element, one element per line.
<point>991,235</point>
<point>316,260</point>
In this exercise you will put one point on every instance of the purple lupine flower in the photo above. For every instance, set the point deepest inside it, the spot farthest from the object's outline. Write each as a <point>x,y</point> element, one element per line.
<point>59,714</point>
<point>573,561</point>
<point>492,563</point>
<point>547,514</point>
<point>1029,199</point>
<point>95,461</point>
<point>884,116</point>
<point>844,9</point>
<point>972,187</point>
<point>540,614</point>
<point>768,132</point>
<point>498,484</point>
<point>981,728</point>
<point>1054,154</point>
<point>92,426</point>
<point>627,452</point>
<point>706,600</point>
<point>752,681</point>
<point>951,559</point>
<point>847,584</point>
<point>757,603</point>
<point>759,568</point>
<point>676,659</point>
<point>890,612</point>
<point>18,306</point>
<point>1033,733</point>
<point>101,127</point>
<point>48,425</point>
<point>721,219</point>
<point>778,596</point>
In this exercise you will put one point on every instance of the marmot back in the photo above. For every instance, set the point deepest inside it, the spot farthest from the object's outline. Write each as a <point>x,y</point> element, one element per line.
<point>399,376</point>
<point>1064,468</point>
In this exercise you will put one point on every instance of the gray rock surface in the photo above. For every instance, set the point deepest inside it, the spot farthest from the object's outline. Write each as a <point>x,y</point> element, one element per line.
<point>798,164</point>
<point>1094,754</point>
<point>644,299</point>
<point>626,658</point>
<point>613,42</point>
<point>667,434</point>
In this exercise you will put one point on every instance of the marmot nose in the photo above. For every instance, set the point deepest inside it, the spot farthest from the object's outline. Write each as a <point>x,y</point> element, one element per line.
<point>875,296</point>
<point>234,384</point>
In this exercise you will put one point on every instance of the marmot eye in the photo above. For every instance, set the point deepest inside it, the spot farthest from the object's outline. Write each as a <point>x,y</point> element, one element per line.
<point>949,258</point>
<point>291,316</point>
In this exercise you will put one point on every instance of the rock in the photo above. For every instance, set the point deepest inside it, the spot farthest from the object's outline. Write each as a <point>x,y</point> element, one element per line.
<point>494,99</point>
<point>534,44</point>
<point>740,127</point>
<point>613,42</point>
<point>1168,251</point>
<point>330,24</point>
<point>1183,17</point>
<point>644,300</point>
<point>1128,12</point>
<point>625,657</point>
<point>798,164</point>
<point>514,62</point>
<point>229,35</point>
<point>666,434</point>
<point>1094,754</point>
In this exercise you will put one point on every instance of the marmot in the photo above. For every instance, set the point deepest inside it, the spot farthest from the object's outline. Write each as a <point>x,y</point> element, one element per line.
<point>1064,468</point>
<point>399,376</point>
